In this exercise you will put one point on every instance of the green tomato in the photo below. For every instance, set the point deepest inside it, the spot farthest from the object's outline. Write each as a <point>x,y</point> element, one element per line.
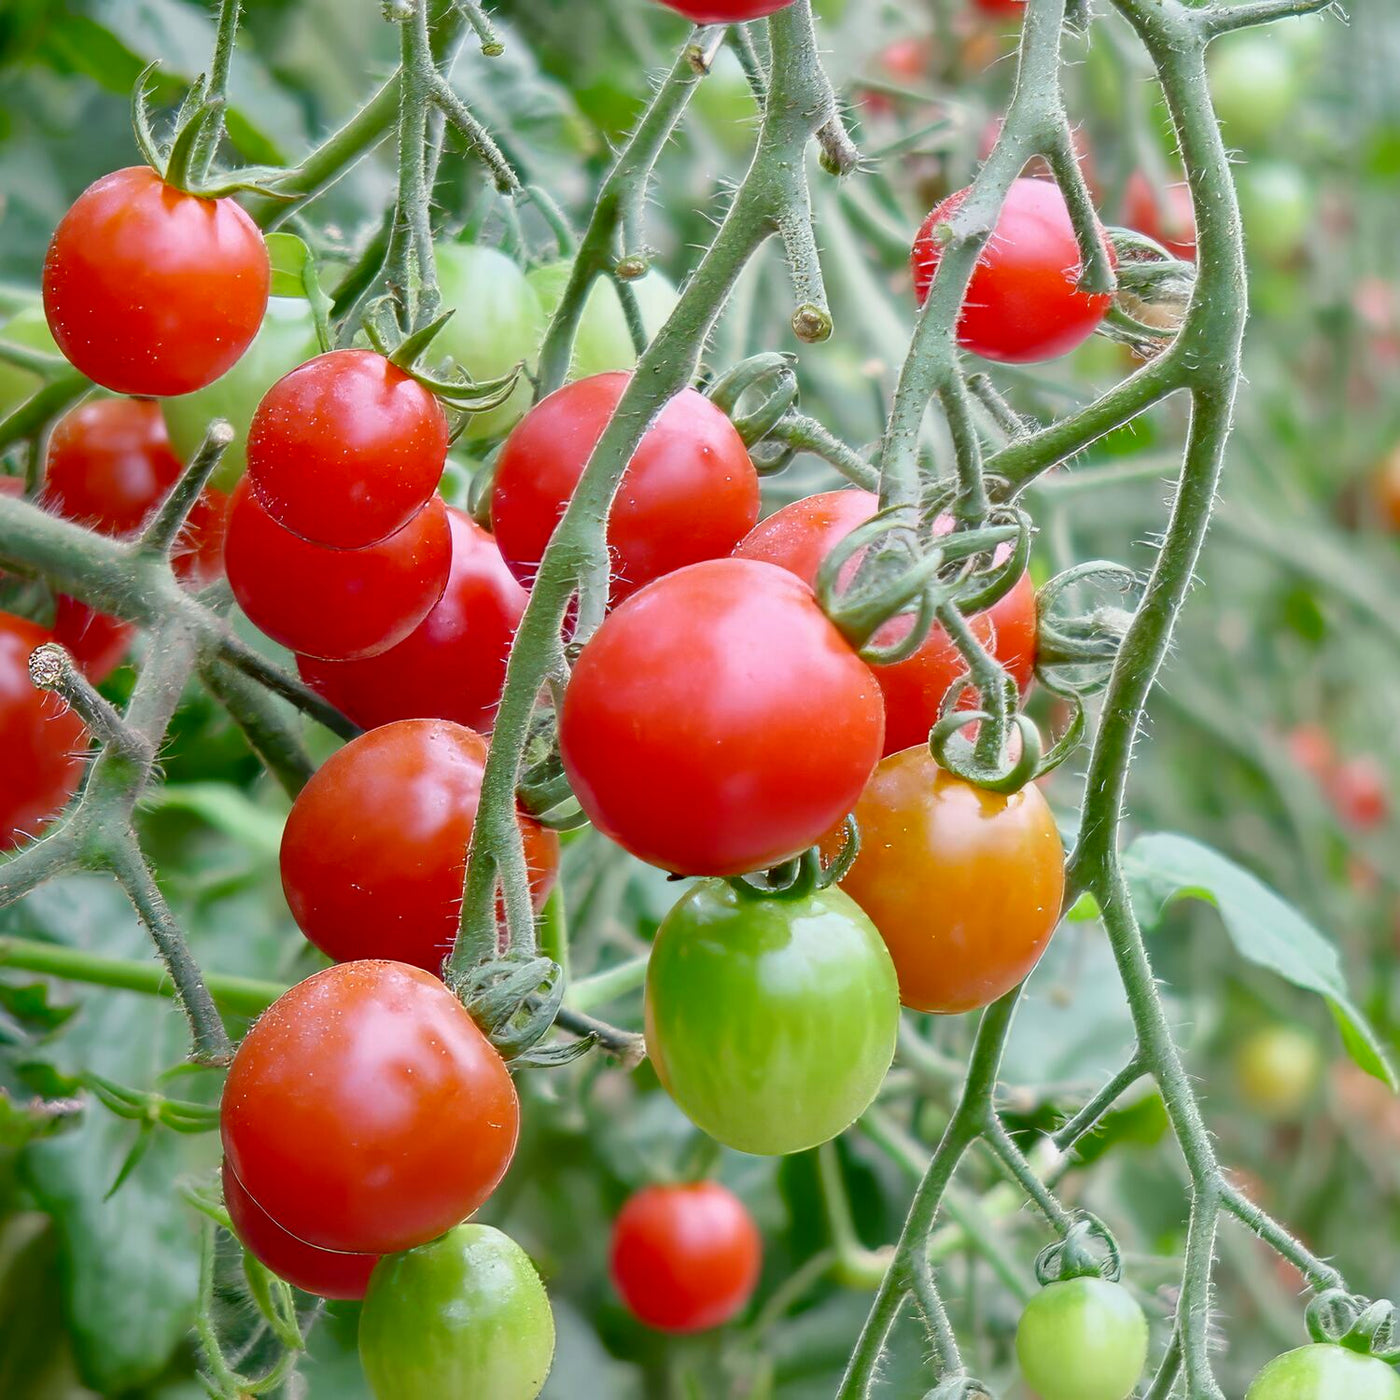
<point>770,1021</point>
<point>1277,207</point>
<point>1254,81</point>
<point>499,324</point>
<point>1325,1372</point>
<point>465,1315</point>
<point>287,338</point>
<point>29,329</point>
<point>603,342</point>
<point>1083,1339</point>
<point>1276,1069</point>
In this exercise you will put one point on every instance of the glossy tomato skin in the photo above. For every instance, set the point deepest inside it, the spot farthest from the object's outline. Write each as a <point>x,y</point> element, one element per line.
<point>325,1272</point>
<point>1002,9</point>
<point>994,861</point>
<point>1325,1372</point>
<point>149,290</point>
<point>725,11</point>
<point>685,1258</point>
<point>717,722</point>
<point>335,604</point>
<point>366,1112</point>
<point>799,536</point>
<point>463,1316</point>
<point>346,449</point>
<point>453,665</point>
<point>689,493</point>
<point>41,740</point>
<point>1082,1339</point>
<point>96,641</point>
<point>771,1022</point>
<point>374,850</point>
<point>1173,226</point>
<point>1022,304</point>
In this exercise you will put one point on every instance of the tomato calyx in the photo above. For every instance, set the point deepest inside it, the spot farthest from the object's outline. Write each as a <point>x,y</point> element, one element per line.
<point>1154,290</point>
<point>804,875</point>
<point>1353,1321</point>
<point>1078,1256</point>
<point>768,382</point>
<point>515,998</point>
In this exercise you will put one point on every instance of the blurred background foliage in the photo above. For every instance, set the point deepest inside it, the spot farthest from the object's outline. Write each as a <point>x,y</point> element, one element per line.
<point>1274,737</point>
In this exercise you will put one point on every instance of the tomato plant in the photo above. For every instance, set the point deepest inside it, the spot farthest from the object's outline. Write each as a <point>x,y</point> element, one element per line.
<point>771,1022</point>
<point>1277,1069</point>
<point>149,290</point>
<point>1082,1339</point>
<point>1322,1371</point>
<point>365,1111</point>
<point>727,679</point>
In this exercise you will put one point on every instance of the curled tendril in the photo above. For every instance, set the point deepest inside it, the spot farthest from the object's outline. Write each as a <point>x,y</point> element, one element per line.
<point>769,378</point>
<point>1074,654</point>
<point>995,583</point>
<point>804,875</point>
<point>960,1388</point>
<point>1072,737</point>
<point>513,998</point>
<point>1074,1256</point>
<point>960,759</point>
<point>1353,1321</point>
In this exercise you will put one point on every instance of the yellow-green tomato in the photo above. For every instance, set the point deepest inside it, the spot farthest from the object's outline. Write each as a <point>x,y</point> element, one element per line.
<point>1254,81</point>
<point>1325,1372</point>
<point>603,342</point>
<point>770,1021</point>
<point>1277,206</point>
<point>463,1316</point>
<point>498,324</point>
<point>29,329</point>
<point>286,339</point>
<point>1083,1339</point>
<point>1277,1069</point>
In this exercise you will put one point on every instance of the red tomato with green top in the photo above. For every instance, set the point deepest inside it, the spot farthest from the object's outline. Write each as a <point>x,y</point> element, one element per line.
<point>149,290</point>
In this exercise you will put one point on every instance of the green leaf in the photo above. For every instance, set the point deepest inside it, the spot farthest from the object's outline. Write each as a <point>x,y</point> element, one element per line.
<point>289,257</point>
<point>1265,929</point>
<point>226,809</point>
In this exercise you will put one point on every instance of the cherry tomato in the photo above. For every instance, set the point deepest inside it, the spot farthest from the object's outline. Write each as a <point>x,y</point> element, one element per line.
<point>1038,168</point>
<point>799,536</point>
<point>327,1272</point>
<point>1385,490</point>
<point>995,861</point>
<point>1310,746</point>
<point>725,11</point>
<point>1277,1069</point>
<point>685,1258</point>
<point>97,642</point>
<point>1254,81</point>
<point>1002,9</point>
<point>1023,303</point>
<point>1278,208</point>
<point>717,722</point>
<point>346,449</point>
<point>374,850</point>
<point>453,665</point>
<point>149,290</point>
<point>42,742</point>
<point>1168,218</point>
<point>689,493</point>
<point>335,604</point>
<point>771,1022</point>
<point>1083,1339</point>
<point>199,553</point>
<point>364,1111</point>
<point>1325,1372</point>
<point>1360,793</point>
<point>463,1316</point>
<point>287,338</point>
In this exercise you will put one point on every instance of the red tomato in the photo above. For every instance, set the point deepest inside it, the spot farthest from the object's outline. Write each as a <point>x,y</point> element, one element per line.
<point>41,741</point>
<point>346,449</point>
<point>149,290</point>
<point>365,1112</point>
<point>1038,168</point>
<point>1172,223</point>
<point>725,11</point>
<point>1360,793</point>
<point>374,851</point>
<point>685,1258</point>
<point>1310,746</point>
<point>326,1272</point>
<point>199,553</point>
<point>717,722</point>
<point>799,536</point>
<point>335,604</point>
<point>1022,303</point>
<point>453,665</point>
<point>1002,8</point>
<point>97,642</point>
<point>690,491</point>
<point>965,885</point>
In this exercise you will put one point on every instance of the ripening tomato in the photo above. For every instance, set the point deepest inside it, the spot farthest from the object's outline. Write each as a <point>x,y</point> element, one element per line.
<point>42,741</point>
<point>1023,303</point>
<point>464,1316</point>
<point>365,1111</point>
<point>1082,1339</point>
<point>374,851</point>
<point>799,536</point>
<point>1325,1372</point>
<point>335,604</point>
<point>1277,1068</point>
<point>717,722</point>
<point>685,1258</point>
<point>1002,9</point>
<point>1166,216</point>
<point>1255,83</point>
<point>725,11</point>
<point>346,449</point>
<point>689,493</point>
<point>997,866</point>
<point>453,665</point>
<point>149,290</point>
<point>770,1021</point>
<point>329,1273</point>
<point>1360,793</point>
<point>1385,489</point>
<point>96,641</point>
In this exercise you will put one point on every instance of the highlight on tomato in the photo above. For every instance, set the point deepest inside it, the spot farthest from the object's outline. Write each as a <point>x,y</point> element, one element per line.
<point>995,861</point>
<point>1082,1339</point>
<point>689,493</point>
<point>717,722</point>
<point>375,847</point>
<point>365,1112</point>
<point>150,290</point>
